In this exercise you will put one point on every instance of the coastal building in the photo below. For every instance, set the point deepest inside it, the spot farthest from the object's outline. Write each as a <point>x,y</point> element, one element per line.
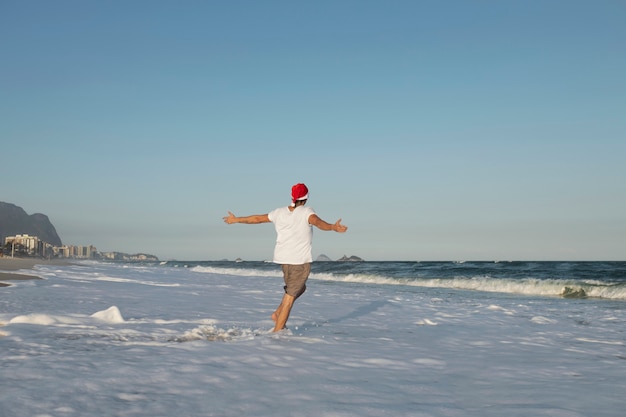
<point>26,245</point>
<point>32,246</point>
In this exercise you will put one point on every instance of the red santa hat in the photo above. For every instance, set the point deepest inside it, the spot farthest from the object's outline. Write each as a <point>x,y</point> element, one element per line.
<point>299,192</point>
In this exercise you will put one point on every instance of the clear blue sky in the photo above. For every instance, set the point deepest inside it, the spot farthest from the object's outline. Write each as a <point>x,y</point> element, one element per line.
<point>452,130</point>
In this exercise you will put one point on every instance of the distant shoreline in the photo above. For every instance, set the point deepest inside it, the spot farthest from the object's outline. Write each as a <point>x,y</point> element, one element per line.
<point>18,264</point>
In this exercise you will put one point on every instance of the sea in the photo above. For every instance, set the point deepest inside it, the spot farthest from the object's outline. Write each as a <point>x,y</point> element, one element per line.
<point>193,338</point>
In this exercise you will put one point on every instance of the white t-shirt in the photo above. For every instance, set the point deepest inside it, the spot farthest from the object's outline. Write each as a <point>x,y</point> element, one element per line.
<point>293,235</point>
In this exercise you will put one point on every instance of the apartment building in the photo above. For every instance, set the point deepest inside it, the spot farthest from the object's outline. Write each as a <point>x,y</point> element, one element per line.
<point>33,246</point>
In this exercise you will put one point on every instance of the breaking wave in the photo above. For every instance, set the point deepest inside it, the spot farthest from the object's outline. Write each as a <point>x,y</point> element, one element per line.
<point>527,286</point>
<point>567,280</point>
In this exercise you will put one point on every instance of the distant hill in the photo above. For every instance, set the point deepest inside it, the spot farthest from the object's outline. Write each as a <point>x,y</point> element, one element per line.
<point>344,258</point>
<point>352,258</point>
<point>15,221</point>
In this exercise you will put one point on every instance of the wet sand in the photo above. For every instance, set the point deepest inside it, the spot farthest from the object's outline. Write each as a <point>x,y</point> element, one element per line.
<point>7,265</point>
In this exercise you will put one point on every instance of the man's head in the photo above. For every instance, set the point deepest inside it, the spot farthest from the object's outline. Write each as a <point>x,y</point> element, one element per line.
<point>299,192</point>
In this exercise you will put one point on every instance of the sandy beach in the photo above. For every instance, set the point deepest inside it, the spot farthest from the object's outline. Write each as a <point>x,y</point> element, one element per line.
<point>17,264</point>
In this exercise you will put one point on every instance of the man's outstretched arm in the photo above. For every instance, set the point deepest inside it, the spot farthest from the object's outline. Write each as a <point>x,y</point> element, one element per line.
<point>254,219</point>
<point>322,225</point>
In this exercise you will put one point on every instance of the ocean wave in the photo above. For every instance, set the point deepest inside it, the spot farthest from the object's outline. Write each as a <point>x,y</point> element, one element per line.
<point>566,288</point>
<point>526,286</point>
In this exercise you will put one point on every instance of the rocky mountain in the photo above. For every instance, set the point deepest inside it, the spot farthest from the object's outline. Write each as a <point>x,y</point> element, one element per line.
<point>15,221</point>
<point>344,258</point>
<point>352,258</point>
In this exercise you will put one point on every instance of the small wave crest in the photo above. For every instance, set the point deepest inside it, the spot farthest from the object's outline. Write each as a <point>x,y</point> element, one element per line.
<point>236,271</point>
<point>110,315</point>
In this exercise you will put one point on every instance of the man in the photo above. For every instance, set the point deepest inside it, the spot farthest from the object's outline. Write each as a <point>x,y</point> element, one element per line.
<point>294,234</point>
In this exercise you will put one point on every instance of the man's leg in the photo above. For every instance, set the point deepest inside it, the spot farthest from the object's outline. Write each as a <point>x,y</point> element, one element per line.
<point>276,313</point>
<point>295,283</point>
<point>283,311</point>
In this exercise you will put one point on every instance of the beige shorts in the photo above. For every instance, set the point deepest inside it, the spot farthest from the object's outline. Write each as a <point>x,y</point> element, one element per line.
<point>295,278</point>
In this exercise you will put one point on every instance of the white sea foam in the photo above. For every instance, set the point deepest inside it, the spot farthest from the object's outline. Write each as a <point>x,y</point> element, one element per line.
<point>77,345</point>
<point>425,322</point>
<point>136,281</point>
<point>243,272</point>
<point>542,320</point>
<point>110,315</point>
<point>45,320</point>
<point>213,333</point>
<point>606,342</point>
